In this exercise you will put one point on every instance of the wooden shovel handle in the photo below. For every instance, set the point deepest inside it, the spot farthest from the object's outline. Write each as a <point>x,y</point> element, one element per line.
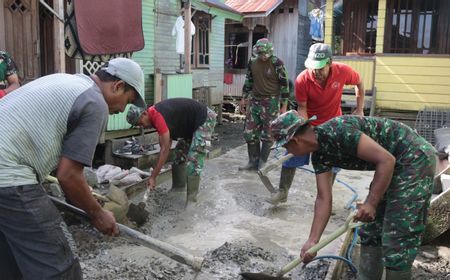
<point>349,224</point>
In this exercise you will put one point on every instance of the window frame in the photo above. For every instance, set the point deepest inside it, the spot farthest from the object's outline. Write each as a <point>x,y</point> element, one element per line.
<point>199,41</point>
<point>415,25</point>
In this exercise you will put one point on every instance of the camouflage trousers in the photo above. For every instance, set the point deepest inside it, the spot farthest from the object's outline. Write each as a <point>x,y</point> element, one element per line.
<point>194,150</point>
<point>401,215</point>
<point>261,112</point>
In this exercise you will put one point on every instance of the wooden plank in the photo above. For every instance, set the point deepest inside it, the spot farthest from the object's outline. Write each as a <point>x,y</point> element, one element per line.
<point>409,97</point>
<point>340,267</point>
<point>405,60</point>
<point>405,105</point>
<point>404,79</point>
<point>416,70</point>
<point>421,89</point>
<point>59,53</point>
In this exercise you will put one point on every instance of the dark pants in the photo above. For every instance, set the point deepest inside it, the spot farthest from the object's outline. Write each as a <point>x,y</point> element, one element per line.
<point>33,239</point>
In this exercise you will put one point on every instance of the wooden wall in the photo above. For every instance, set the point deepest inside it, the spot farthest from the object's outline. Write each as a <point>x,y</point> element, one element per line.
<point>283,27</point>
<point>165,55</point>
<point>412,82</point>
<point>213,76</point>
<point>145,56</point>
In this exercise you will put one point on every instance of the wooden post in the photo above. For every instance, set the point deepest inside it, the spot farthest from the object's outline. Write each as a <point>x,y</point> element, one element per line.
<point>158,86</point>
<point>2,27</point>
<point>58,28</point>
<point>250,43</point>
<point>187,36</point>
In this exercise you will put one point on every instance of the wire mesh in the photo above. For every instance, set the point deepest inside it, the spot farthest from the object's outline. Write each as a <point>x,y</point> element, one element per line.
<point>429,119</point>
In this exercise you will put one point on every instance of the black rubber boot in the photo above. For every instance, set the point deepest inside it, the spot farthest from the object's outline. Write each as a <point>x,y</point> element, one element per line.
<point>398,274</point>
<point>286,178</point>
<point>193,183</point>
<point>370,266</point>
<point>265,152</point>
<point>178,177</point>
<point>253,157</point>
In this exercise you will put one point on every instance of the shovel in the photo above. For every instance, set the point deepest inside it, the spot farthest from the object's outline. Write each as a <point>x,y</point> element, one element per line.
<point>349,224</point>
<point>262,173</point>
<point>164,248</point>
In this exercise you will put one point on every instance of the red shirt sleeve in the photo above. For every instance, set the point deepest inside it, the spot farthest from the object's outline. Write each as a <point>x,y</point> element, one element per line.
<point>301,94</point>
<point>157,120</point>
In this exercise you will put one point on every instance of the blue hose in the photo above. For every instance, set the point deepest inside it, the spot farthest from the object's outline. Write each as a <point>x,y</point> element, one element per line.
<point>347,261</point>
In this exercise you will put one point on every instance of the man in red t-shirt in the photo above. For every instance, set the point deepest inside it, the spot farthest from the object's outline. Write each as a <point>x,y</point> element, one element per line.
<point>318,91</point>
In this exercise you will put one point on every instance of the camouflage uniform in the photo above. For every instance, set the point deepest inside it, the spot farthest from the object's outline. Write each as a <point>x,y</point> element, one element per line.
<point>7,68</point>
<point>263,110</point>
<point>194,150</point>
<point>401,214</point>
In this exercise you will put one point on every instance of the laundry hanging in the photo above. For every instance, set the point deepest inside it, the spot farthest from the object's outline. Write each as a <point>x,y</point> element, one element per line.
<point>178,29</point>
<point>316,16</point>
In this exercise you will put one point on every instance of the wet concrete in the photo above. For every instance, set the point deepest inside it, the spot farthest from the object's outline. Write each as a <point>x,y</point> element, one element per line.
<point>231,226</point>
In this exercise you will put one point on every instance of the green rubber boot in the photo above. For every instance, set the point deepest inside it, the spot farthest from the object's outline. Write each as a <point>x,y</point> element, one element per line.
<point>193,183</point>
<point>286,178</point>
<point>253,157</point>
<point>178,177</point>
<point>398,274</point>
<point>265,152</point>
<point>370,266</point>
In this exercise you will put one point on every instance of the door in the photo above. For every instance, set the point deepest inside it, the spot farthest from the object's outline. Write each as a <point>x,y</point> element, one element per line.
<point>21,36</point>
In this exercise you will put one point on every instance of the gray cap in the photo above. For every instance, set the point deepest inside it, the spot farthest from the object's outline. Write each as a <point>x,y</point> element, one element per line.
<point>131,73</point>
<point>318,56</point>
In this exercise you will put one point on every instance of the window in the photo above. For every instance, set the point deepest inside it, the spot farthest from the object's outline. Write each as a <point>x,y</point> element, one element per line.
<point>417,26</point>
<point>355,26</point>
<point>200,56</point>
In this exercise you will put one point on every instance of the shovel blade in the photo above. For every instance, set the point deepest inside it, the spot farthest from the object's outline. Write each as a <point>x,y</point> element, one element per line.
<point>261,276</point>
<point>265,180</point>
<point>138,214</point>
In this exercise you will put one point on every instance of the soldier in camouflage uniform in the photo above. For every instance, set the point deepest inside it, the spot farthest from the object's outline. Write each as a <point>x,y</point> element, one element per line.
<point>189,122</point>
<point>9,80</point>
<point>266,84</point>
<point>399,195</point>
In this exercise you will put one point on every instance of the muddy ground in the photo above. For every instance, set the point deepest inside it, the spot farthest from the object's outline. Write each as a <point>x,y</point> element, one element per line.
<point>232,227</point>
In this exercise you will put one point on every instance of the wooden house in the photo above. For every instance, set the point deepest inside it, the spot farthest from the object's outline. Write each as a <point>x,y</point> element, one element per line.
<point>284,22</point>
<point>401,47</point>
<point>33,32</point>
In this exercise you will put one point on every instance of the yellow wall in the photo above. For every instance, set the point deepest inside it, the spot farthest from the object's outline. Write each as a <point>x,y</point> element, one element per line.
<point>411,83</point>
<point>364,66</point>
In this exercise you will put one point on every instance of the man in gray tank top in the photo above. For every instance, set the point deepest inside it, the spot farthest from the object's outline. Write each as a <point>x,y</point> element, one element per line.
<point>55,122</point>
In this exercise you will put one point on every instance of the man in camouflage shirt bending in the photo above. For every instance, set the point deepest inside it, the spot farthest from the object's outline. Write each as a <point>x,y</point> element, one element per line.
<point>265,84</point>
<point>9,79</point>
<point>395,208</point>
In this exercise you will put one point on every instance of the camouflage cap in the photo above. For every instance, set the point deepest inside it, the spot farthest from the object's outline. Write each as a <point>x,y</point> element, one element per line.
<point>284,127</point>
<point>263,46</point>
<point>134,114</point>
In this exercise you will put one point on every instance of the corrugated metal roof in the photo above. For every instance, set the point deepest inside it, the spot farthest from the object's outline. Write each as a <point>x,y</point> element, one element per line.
<point>220,5</point>
<point>217,8</point>
<point>255,7</point>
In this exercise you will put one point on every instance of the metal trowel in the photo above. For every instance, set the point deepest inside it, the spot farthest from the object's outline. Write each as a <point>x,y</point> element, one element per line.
<point>349,224</point>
